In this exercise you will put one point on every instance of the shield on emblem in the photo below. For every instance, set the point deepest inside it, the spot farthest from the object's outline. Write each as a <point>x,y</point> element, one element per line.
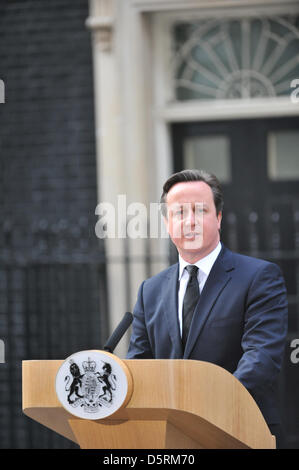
<point>92,389</point>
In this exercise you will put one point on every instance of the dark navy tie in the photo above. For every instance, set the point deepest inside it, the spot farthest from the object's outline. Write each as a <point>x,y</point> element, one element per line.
<point>190,300</point>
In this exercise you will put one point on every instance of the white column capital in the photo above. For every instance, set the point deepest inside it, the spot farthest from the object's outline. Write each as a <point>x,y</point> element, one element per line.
<point>102,22</point>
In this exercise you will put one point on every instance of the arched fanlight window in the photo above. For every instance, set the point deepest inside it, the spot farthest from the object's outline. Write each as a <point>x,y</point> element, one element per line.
<point>235,58</point>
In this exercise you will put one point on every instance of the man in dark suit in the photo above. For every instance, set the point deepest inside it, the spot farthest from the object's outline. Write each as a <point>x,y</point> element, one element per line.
<point>213,305</point>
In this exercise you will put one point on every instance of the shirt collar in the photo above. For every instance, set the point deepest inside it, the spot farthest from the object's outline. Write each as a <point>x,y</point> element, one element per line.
<point>205,264</point>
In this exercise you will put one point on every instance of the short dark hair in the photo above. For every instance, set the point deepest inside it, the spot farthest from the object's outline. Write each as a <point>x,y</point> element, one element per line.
<point>194,175</point>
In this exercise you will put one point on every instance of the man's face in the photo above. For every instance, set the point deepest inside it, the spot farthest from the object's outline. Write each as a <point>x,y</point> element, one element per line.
<point>192,222</point>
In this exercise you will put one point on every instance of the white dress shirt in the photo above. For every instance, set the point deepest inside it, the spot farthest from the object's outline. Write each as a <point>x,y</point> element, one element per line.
<point>204,267</point>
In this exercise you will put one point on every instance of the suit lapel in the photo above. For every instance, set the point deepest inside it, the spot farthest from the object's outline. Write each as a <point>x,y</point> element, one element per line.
<point>170,308</point>
<point>217,280</point>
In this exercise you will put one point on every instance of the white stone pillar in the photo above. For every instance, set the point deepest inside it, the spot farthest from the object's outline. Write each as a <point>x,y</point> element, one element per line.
<point>122,121</point>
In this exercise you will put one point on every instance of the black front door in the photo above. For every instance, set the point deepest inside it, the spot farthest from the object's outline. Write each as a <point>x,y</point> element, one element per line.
<point>260,182</point>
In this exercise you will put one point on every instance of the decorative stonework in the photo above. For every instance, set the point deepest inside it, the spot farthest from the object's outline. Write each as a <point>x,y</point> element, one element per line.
<point>103,31</point>
<point>101,22</point>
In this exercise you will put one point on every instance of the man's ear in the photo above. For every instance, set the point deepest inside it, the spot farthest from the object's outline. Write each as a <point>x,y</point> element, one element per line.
<point>219,218</point>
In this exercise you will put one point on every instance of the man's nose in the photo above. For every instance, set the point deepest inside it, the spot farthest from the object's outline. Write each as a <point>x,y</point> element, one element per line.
<point>191,219</point>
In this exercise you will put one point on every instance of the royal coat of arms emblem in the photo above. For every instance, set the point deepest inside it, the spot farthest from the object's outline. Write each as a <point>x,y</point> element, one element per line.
<point>91,384</point>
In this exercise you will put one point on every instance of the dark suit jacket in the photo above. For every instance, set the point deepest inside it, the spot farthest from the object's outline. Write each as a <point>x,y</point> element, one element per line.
<point>240,323</point>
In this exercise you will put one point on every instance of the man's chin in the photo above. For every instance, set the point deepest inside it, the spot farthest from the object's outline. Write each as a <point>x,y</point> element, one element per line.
<point>192,243</point>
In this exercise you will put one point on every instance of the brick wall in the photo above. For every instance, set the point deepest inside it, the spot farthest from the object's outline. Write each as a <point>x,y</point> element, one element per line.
<point>52,267</point>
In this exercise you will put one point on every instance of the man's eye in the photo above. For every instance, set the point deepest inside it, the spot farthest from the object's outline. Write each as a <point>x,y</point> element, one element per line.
<point>179,212</point>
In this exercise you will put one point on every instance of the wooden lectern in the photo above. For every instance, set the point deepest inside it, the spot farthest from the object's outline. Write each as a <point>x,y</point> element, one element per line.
<point>174,404</point>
